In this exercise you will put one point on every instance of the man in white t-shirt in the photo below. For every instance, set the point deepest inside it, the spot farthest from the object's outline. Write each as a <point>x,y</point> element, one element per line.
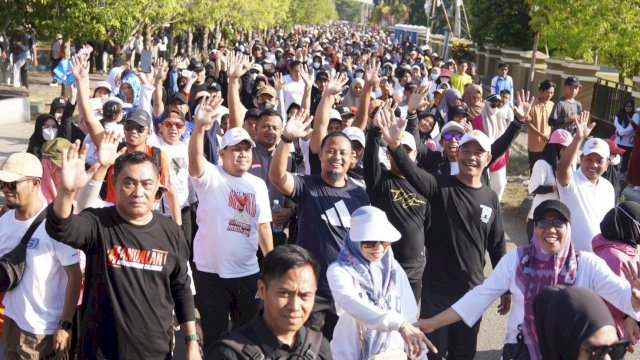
<point>39,311</point>
<point>233,218</point>
<point>585,191</point>
<point>293,84</point>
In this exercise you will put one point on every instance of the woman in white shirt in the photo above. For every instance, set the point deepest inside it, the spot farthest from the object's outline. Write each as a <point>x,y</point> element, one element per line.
<point>542,183</point>
<point>549,260</point>
<point>372,294</point>
<point>624,132</point>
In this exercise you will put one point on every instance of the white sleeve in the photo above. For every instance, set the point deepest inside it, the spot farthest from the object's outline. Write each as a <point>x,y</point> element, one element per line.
<point>494,81</point>
<point>262,199</point>
<point>65,253</point>
<point>409,306</point>
<point>622,131</point>
<point>538,176</point>
<point>569,189</point>
<point>608,285</point>
<point>475,302</point>
<point>347,299</point>
<point>144,102</point>
<point>636,118</point>
<point>208,178</point>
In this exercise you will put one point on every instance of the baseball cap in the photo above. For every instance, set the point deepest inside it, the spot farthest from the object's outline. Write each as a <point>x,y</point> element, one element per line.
<point>19,165</point>
<point>561,136</point>
<point>214,87</point>
<point>178,97</point>
<point>572,81</point>
<point>347,110</point>
<point>173,114</point>
<point>52,150</point>
<point>197,66</point>
<point>335,114</point>
<point>368,223</point>
<point>268,89</point>
<point>552,204</point>
<point>201,94</point>
<point>253,112</point>
<point>596,146</point>
<point>355,134</point>
<point>614,149</point>
<point>409,140</point>
<point>458,110</point>
<point>479,137</point>
<point>235,136</point>
<point>140,117</point>
<point>450,127</point>
<point>58,103</point>
<point>256,67</point>
<point>102,84</point>
<point>322,75</point>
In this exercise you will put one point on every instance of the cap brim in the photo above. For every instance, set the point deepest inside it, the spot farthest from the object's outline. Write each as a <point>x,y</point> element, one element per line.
<point>378,232</point>
<point>8,176</point>
<point>253,144</point>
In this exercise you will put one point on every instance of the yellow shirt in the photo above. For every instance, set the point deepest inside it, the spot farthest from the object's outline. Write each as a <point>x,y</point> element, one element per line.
<point>459,81</point>
<point>539,121</point>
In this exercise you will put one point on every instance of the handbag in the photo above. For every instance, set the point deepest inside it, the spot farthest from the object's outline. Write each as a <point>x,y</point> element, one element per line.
<point>12,264</point>
<point>518,351</point>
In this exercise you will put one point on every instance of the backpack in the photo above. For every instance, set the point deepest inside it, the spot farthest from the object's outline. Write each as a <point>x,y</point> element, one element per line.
<point>244,347</point>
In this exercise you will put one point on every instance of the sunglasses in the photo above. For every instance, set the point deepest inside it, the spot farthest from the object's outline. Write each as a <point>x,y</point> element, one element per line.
<point>131,126</point>
<point>170,124</point>
<point>615,351</point>
<point>450,136</point>
<point>12,186</point>
<point>546,223</point>
<point>372,244</point>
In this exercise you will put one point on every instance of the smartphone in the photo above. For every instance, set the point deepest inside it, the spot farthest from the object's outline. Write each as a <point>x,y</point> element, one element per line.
<point>85,51</point>
<point>145,61</point>
<point>187,73</point>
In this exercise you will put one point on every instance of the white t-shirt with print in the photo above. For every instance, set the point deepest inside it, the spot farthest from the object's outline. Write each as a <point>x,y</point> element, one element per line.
<point>36,303</point>
<point>179,161</point>
<point>229,211</point>
<point>588,204</point>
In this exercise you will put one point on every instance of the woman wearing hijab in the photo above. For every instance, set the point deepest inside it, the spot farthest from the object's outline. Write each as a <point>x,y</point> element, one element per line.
<point>130,89</point>
<point>45,129</point>
<point>372,294</point>
<point>525,271</point>
<point>573,323</point>
<point>451,99</point>
<point>542,184</point>
<point>617,244</point>
<point>353,95</point>
<point>473,98</point>
<point>624,132</point>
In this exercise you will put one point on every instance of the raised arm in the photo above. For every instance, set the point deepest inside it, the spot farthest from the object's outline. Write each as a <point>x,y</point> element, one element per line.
<point>334,87</point>
<point>371,80</point>
<point>207,115</point>
<point>238,65</point>
<point>158,78</point>
<point>80,69</point>
<point>564,175</point>
<point>524,102</point>
<point>307,79</point>
<point>297,127</point>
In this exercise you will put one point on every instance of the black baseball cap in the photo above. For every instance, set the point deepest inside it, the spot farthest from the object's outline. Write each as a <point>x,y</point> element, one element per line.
<point>458,110</point>
<point>58,103</point>
<point>178,97</point>
<point>140,117</point>
<point>572,81</point>
<point>322,75</point>
<point>555,205</point>
<point>214,87</point>
<point>253,112</point>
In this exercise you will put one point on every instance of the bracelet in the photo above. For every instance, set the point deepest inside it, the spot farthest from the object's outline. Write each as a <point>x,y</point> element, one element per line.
<point>192,337</point>
<point>285,139</point>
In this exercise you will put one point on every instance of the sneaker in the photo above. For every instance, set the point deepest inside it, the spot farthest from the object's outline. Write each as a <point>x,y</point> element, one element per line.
<point>53,83</point>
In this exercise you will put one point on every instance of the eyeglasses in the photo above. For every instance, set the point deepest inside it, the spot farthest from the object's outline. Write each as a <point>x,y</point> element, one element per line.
<point>450,136</point>
<point>12,186</point>
<point>170,124</point>
<point>546,223</point>
<point>615,351</point>
<point>131,126</point>
<point>372,244</point>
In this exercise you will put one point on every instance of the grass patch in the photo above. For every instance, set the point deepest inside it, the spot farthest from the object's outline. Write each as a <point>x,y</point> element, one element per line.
<point>516,191</point>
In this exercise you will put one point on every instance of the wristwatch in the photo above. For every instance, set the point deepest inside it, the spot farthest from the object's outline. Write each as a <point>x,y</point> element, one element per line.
<point>65,325</point>
<point>192,337</point>
<point>285,139</point>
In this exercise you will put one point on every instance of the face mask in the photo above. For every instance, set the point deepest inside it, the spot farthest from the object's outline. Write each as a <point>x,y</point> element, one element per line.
<point>266,106</point>
<point>49,134</point>
<point>316,65</point>
<point>434,76</point>
<point>388,57</point>
<point>253,76</point>
<point>444,80</point>
<point>492,110</point>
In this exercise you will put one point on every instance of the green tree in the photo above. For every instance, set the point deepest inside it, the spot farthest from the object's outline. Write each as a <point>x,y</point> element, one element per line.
<point>311,12</point>
<point>349,10</point>
<point>503,23</point>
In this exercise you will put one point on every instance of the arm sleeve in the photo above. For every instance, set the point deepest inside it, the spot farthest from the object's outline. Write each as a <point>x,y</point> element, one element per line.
<point>475,302</point>
<point>494,83</point>
<point>372,168</point>
<point>180,281</point>
<point>425,183</point>
<point>537,181</point>
<point>297,196</point>
<point>495,245</point>
<point>262,199</point>
<point>555,118</point>
<point>348,300</point>
<point>503,143</point>
<point>609,286</point>
<point>412,128</point>
<point>542,189</point>
<point>77,231</point>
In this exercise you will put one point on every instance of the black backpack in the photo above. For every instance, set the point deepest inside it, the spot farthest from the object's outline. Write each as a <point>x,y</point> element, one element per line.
<point>247,350</point>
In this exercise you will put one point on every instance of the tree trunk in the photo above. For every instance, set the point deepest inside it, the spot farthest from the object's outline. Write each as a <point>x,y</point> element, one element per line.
<point>205,44</point>
<point>148,39</point>
<point>170,46</point>
<point>190,43</point>
<point>532,69</point>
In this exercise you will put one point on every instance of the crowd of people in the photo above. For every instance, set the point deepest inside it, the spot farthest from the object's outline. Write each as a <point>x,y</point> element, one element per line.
<point>328,193</point>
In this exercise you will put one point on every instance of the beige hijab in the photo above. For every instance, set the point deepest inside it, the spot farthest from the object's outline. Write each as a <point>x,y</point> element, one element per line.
<point>474,109</point>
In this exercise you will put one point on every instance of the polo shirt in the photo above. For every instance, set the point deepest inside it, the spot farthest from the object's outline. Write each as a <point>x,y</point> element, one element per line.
<point>588,203</point>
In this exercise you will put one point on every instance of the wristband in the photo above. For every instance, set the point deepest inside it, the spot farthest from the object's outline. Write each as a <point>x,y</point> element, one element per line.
<point>192,337</point>
<point>65,325</point>
<point>285,139</point>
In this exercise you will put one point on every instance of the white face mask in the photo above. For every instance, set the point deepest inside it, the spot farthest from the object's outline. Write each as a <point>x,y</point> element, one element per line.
<point>492,110</point>
<point>49,133</point>
<point>316,65</point>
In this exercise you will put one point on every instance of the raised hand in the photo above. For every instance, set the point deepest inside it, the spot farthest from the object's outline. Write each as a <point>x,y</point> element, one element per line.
<point>238,64</point>
<point>108,149</point>
<point>73,175</point>
<point>79,67</point>
<point>157,71</point>
<point>418,99</point>
<point>583,127</point>
<point>524,101</point>
<point>336,84</point>
<point>371,72</point>
<point>385,119</point>
<point>298,125</point>
<point>277,81</point>
<point>208,111</point>
<point>303,72</point>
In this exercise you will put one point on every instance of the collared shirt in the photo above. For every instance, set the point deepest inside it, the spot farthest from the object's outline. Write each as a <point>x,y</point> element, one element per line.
<point>257,332</point>
<point>260,164</point>
<point>540,121</point>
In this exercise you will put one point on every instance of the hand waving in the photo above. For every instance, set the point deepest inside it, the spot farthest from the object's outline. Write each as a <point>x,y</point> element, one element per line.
<point>524,101</point>
<point>237,65</point>
<point>336,84</point>
<point>385,119</point>
<point>80,67</point>
<point>277,81</point>
<point>371,72</point>
<point>158,72</point>
<point>108,149</point>
<point>73,175</point>
<point>418,98</point>
<point>298,125</point>
<point>208,111</point>
<point>583,127</point>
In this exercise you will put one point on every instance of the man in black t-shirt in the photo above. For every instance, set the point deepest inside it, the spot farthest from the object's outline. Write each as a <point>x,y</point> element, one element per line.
<point>325,203</point>
<point>466,221</point>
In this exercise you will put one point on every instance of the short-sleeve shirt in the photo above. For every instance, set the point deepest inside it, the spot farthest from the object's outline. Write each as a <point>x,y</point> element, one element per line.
<point>230,209</point>
<point>165,174</point>
<point>324,217</point>
<point>588,203</point>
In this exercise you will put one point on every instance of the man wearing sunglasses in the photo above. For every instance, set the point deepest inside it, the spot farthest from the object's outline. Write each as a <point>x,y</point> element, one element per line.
<point>43,304</point>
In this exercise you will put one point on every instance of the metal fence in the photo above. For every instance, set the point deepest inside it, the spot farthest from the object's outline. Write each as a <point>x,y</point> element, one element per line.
<point>608,98</point>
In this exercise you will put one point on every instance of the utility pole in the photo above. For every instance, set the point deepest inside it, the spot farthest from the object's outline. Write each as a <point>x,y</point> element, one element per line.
<point>457,23</point>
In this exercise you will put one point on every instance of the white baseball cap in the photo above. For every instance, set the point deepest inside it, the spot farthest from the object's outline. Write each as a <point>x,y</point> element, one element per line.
<point>334,114</point>
<point>257,67</point>
<point>235,136</point>
<point>596,146</point>
<point>408,139</point>
<point>103,84</point>
<point>451,126</point>
<point>368,223</point>
<point>19,165</point>
<point>479,137</point>
<point>355,134</point>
